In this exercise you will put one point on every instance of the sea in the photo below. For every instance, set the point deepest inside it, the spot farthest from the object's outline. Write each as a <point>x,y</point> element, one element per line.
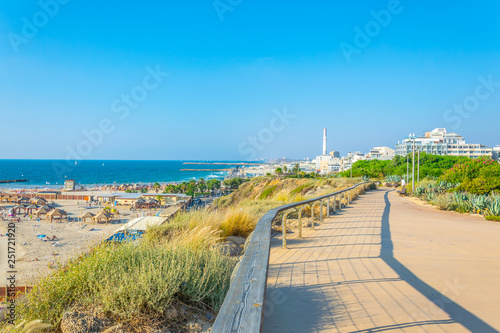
<point>53,173</point>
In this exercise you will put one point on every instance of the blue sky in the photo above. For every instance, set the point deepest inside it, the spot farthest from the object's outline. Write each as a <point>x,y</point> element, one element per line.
<point>232,67</point>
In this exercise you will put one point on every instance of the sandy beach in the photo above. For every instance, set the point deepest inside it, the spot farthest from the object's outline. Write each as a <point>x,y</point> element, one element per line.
<point>35,258</point>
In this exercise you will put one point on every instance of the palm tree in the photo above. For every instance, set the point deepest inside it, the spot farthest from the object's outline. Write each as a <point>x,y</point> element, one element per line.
<point>202,185</point>
<point>156,187</point>
<point>278,171</point>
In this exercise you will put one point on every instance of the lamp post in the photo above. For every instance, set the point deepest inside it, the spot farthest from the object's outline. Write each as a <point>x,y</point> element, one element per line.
<point>413,167</point>
<point>407,167</point>
<point>418,172</point>
<point>350,162</point>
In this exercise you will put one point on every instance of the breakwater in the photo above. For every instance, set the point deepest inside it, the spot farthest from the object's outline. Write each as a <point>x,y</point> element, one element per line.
<point>7,181</point>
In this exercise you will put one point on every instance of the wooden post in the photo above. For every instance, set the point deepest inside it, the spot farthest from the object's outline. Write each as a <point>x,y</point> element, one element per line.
<point>328,207</point>
<point>312,216</point>
<point>300,222</point>
<point>321,211</point>
<point>283,225</point>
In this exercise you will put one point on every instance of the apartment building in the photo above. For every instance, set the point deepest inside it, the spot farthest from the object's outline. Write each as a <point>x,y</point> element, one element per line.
<point>440,142</point>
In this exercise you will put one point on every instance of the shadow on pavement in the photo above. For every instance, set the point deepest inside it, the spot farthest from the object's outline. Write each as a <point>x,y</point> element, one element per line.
<point>457,313</point>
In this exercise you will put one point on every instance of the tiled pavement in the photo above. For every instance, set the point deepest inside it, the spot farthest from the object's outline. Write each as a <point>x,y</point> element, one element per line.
<point>342,277</point>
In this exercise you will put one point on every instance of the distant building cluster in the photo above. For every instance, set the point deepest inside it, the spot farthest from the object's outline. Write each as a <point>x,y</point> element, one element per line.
<point>437,142</point>
<point>333,162</point>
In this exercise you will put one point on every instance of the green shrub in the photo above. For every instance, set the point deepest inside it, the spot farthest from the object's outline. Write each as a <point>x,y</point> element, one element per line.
<point>477,176</point>
<point>444,202</point>
<point>267,192</point>
<point>301,189</point>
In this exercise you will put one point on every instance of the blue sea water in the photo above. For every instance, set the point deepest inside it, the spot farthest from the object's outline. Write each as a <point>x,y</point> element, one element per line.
<point>93,172</point>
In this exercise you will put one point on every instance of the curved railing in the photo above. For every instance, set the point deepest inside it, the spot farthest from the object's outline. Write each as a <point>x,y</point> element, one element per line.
<point>243,307</point>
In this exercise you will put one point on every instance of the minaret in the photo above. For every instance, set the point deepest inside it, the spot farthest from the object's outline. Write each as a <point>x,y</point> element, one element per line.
<point>324,141</point>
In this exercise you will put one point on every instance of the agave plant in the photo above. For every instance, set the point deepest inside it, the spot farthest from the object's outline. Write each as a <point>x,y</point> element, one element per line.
<point>392,178</point>
<point>444,186</point>
<point>419,191</point>
<point>462,203</point>
<point>493,208</point>
<point>460,197</point>
<point>479,203</point>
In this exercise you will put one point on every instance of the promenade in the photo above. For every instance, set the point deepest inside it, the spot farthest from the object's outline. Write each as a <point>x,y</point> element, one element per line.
<point>386,263</point>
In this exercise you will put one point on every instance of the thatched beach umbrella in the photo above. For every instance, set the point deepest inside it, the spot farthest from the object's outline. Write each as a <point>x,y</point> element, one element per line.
<point>38,201</point>
<point>24,201</point>
<point>17,209</point>
<point>56,214</point>
<point>30,209</point>
<point>103,215</point>
<point>40,211</point>
<point>87,215</point>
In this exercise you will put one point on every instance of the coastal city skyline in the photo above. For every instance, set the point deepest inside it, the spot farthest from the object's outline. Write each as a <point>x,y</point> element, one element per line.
<point>143,82</point>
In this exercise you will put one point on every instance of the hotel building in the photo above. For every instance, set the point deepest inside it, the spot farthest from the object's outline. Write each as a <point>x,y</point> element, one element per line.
<point>440,142</point>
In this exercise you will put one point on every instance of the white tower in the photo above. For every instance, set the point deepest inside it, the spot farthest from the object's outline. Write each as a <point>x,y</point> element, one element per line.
<point>324,141</point>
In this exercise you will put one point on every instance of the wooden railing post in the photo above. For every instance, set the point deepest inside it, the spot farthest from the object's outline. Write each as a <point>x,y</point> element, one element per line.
<point>328,207</point>
<point>320,211</point>
<point>312,216</point>
<point>300,222</point>
<point>283,225</point>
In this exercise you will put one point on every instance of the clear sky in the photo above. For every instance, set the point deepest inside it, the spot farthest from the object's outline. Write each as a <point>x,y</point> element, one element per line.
<point>245,78</point>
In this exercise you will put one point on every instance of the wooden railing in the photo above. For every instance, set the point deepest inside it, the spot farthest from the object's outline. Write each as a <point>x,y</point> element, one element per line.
<point>243,307</point>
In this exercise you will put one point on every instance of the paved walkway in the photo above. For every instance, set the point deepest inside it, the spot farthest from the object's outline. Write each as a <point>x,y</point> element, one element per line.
<point>387,264</point>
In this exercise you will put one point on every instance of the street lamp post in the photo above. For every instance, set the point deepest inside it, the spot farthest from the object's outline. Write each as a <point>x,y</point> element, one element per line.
<point>350,161</point>
<point>413,167</point>
<point>407,167</point>
<point>418,172</point>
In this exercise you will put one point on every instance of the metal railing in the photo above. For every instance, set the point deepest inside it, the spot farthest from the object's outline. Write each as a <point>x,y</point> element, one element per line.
<point>243,307</point>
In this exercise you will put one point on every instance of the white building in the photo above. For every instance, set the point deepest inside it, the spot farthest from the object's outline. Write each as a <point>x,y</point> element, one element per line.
<point>351,158</point>
<point>496,153</point>
<point>381,153</point>
<point>440,142</point>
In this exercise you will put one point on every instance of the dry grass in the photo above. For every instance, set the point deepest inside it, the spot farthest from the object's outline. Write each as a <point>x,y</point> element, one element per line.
<point>127,281</point>
<point>237,222</point>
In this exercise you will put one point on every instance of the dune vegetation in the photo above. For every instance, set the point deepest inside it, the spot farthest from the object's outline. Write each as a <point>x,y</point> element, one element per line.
<point>138,284</point>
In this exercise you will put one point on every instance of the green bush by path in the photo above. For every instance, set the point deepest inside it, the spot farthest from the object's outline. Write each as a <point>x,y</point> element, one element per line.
<point>477,176</point>
<point>432,166</point>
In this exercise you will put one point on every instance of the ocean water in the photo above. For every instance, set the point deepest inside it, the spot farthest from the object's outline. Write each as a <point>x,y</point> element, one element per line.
<point>50,173</point>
